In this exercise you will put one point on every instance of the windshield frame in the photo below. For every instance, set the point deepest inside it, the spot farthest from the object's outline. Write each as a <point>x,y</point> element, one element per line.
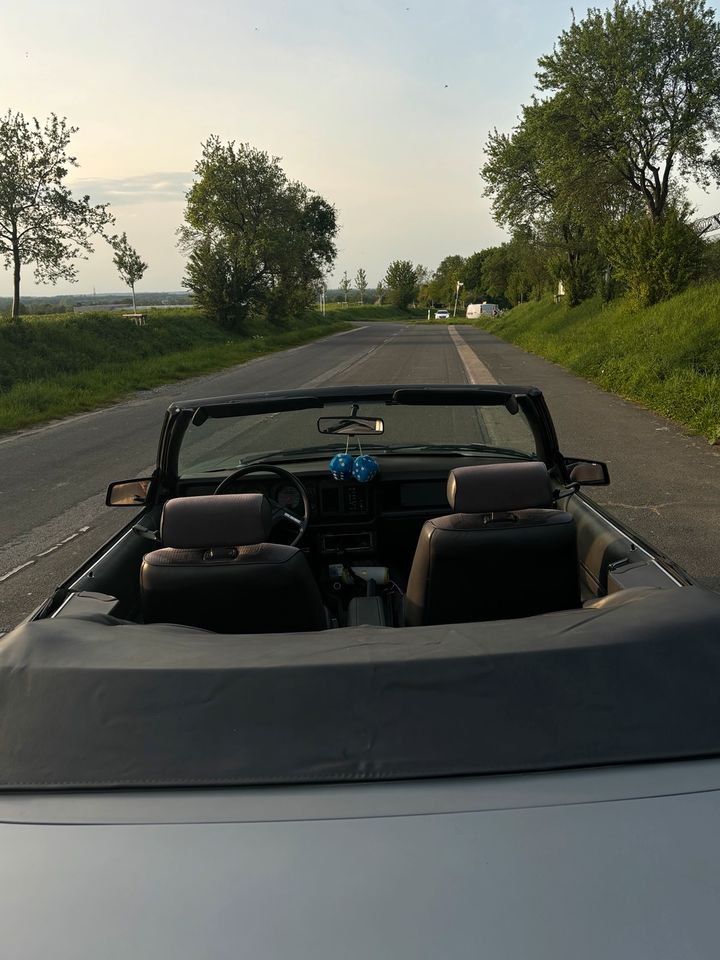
<point>529,400</point>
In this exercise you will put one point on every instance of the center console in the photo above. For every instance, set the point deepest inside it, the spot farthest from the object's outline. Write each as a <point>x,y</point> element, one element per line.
<point>350,541</point>
<point>351,500</point>
<point>349,508</point>
<point>362,594</point>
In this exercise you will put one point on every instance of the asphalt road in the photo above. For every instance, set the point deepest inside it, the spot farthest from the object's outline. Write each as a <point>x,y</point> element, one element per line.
<point>52,479</point>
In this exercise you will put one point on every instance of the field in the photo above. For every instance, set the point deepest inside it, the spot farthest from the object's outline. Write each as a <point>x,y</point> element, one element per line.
<point>58,365</point>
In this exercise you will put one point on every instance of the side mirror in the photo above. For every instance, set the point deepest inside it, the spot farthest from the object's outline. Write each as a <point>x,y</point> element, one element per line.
<point>588,473</point>
<point>127,493</point>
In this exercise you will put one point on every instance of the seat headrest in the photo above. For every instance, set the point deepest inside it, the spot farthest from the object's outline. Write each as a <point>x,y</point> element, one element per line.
<point>499,487</point>
<point>229,520</point>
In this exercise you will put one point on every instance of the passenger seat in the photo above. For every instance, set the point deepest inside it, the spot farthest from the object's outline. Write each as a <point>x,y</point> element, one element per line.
<point>505,551</point>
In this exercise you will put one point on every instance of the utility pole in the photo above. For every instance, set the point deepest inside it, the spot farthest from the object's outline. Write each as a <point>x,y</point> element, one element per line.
<point>457,292</point>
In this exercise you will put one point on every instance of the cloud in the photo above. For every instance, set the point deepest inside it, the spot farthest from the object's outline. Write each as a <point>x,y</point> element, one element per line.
<point>149,187</point>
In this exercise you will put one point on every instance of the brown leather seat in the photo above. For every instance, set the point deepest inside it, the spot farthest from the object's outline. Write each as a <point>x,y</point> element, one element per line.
<point>505,552</point>
<point>216,571</point>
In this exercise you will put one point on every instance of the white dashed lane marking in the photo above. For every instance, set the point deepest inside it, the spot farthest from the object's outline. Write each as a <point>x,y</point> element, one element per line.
<point>43,553</point>
<point>11,573</point>
<point>63,542</point>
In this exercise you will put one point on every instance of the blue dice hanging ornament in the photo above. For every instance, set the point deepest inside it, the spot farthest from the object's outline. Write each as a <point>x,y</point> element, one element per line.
<point>344,466</point>
<point>365,468</point>
<point>341,466</point>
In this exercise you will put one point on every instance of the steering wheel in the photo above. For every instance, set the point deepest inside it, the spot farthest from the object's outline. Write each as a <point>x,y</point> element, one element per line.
<point>278,513</point>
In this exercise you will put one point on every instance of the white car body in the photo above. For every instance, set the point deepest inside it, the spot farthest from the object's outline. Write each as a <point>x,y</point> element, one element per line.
<point>588,863</point>
<point>477,310</point>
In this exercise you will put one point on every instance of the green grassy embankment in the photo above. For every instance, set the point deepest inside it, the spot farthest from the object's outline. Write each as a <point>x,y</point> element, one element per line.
<point>362,312</point>
<point>666,357</point>
<point>55,366</point>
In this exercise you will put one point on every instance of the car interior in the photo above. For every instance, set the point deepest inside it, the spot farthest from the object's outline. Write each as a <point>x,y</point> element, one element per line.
<point>428,541</point>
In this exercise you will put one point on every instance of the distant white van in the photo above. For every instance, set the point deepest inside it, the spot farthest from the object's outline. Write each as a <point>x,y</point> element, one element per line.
<point>484,309</point>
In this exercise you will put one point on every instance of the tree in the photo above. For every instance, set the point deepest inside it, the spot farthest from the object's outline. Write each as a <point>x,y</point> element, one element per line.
<point>669,244</point>
<point>642,83</point>
<point>538,180</point>
<point>497,271</point>
<point>422,274</point>
<point>401,281</point>
<point>361,283</point>
<point>255,240</point>
<point>128,262</point>
<point>472,276</point>
<point>634,107</point>
<point>443,285</point>
<point>345,286</point>
<point>380,292</point>
<point>41,223</point>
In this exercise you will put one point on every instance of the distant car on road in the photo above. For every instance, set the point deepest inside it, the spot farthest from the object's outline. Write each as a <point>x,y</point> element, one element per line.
<point>442,314</point>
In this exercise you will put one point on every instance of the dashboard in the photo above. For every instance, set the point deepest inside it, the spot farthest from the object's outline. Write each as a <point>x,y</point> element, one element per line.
<point>380,519</point>
<point>336,500</point>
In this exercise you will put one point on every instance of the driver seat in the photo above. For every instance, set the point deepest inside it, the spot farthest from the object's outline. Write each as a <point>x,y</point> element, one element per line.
<point>215,570</point>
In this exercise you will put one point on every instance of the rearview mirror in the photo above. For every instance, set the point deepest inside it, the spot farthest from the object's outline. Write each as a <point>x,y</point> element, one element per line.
<point>588,473</point>
<point>351,426</point>
<point>127,493</point>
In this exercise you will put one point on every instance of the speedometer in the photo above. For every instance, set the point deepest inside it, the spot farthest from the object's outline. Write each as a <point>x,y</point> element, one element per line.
<point>288,497</point>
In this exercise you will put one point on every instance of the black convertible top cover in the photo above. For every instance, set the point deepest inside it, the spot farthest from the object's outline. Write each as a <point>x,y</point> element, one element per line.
<point>96,702</point>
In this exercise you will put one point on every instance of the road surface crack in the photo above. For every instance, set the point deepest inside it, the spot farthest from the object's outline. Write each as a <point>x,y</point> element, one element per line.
<point>654,507</point>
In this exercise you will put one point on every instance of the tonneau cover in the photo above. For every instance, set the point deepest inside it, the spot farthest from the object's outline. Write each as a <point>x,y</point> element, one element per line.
<point>96,702</point>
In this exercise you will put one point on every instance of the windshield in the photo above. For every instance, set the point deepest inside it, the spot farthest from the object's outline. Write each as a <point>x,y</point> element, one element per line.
<point>223,445</point>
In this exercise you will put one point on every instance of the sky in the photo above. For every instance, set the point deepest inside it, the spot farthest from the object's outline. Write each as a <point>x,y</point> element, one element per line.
<point>381,106</point>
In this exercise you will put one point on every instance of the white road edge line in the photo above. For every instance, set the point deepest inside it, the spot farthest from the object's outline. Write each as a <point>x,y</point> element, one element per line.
<point>44,553</point>
<point>475,369</point>
<point>11,573</point>
<point>49,550</point>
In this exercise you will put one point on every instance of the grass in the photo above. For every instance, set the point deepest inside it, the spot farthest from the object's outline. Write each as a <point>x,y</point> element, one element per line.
<point>373,312</point>
<point>52,367</point>
<point>666,357</point>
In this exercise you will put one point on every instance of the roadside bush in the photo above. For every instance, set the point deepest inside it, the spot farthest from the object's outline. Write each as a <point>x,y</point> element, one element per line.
<point>711,260</point>
<point>654,259</point>
<point>285,305</point>
<point>579,276</point>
